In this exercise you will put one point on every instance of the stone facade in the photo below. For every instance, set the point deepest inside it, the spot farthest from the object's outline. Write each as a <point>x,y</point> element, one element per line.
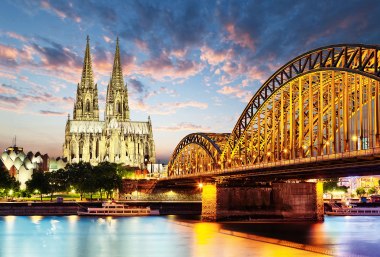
<point>117,138</point>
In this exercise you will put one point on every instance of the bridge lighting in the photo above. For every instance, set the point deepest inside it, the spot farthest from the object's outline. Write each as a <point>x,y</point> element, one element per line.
<point>200,185</point>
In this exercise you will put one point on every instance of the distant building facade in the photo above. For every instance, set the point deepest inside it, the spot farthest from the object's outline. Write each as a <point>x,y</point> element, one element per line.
<point>117,138</point>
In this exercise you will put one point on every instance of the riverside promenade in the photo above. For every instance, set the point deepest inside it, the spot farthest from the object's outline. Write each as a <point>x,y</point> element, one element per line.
<point>72,207</point>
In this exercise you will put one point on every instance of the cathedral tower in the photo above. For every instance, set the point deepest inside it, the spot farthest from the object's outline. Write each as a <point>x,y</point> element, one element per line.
<point>86,106</point>
<point>117,94</point>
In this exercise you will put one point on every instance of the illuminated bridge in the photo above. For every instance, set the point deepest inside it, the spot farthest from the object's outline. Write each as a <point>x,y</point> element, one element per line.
<point>321,106</point>
<point>317,116</point>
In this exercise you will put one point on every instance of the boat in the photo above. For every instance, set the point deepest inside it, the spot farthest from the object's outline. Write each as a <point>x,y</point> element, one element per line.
<point>354,211</point>
<point>117,210</point>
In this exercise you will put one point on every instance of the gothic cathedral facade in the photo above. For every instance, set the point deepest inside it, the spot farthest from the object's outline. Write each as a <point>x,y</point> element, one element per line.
<point>117,138</point>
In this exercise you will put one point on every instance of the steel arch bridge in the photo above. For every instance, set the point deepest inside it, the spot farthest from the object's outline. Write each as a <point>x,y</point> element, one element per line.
<point>323,102</point>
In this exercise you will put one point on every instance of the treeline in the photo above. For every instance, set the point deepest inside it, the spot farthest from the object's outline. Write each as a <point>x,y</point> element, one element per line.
<point>82,177</point>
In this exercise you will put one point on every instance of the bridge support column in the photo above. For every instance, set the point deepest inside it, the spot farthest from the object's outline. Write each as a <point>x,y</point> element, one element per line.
<point>290,201</point>
<point>319,208</point>
<point>209,202</point>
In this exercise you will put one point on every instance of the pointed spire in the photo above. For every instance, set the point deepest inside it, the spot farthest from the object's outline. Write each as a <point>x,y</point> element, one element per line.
<point>117,71</point>
<point>87,75</point>
<point>86,104</point>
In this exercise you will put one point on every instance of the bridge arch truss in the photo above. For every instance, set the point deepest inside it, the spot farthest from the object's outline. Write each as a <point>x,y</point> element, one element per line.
<point>323,102</point>
<point>197,153</point>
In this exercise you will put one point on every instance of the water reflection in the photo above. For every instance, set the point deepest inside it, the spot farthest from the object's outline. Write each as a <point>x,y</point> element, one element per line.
<point>157,236</point>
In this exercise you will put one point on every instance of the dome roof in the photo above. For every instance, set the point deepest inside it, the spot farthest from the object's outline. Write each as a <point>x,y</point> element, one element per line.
<point>18,163</point>
<point>28,164</point>
<point>8,162</point>
<point>22,156</point>
<point>13,155</point>
<point>4,156</point>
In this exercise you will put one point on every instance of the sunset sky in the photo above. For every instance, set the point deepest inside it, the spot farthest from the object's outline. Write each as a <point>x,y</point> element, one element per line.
<point>191,65</point>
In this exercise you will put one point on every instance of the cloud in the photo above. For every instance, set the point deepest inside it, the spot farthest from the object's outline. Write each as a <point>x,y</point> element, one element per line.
<point>243,95</point>
<point>107,39</point>
<point>213,57</point>
<point>184,126</point>
<point>16,36</point>
<point>137,86</point>
<point>52,113</point>
<point>7,89</point>
<point>167,108</point>
<point>241,38</point>
<point>163,68</point>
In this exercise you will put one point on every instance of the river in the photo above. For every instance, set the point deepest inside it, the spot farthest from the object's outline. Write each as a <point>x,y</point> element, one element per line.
<point>73,236</point>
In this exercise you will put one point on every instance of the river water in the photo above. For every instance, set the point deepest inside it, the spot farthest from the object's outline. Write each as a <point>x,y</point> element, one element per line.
<point>73,236</point>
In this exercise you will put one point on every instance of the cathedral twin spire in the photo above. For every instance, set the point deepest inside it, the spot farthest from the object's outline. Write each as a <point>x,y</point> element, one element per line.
<point>86,106</point>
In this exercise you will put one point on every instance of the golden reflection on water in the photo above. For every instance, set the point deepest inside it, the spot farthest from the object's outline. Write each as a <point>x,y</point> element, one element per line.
<point>317,234</point>
<point>209,242</point>
<point>72,218</point>
<point>36,219</point>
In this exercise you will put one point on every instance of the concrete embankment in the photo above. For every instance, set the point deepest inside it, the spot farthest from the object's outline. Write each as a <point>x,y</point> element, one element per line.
<point>71,208</point>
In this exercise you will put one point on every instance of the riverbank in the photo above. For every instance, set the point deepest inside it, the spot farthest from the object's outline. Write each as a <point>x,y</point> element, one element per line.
<point>72,207</point>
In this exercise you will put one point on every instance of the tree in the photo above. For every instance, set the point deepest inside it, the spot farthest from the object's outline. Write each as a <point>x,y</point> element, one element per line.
<point>372,190</point>
<point>332,185</point>
<point>108,177</point>
<point>360,191</point>
<point>39,182</point>
<point>81,178</point>
<point>7,182</point>
<point>58,181</point>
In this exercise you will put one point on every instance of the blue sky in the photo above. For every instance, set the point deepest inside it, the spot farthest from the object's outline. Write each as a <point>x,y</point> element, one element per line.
<point>191,65</point>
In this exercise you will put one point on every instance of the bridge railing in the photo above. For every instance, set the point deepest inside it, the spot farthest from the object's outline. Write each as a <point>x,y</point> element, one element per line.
<point>336,156</point>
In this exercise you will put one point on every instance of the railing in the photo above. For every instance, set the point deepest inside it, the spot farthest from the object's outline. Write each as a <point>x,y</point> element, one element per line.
<point>283,163</point>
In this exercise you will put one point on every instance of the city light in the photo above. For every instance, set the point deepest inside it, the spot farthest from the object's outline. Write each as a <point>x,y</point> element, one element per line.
<point>200,185</point>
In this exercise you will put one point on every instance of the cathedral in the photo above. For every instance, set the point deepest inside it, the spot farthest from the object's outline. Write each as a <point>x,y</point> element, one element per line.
<point>117,138</point>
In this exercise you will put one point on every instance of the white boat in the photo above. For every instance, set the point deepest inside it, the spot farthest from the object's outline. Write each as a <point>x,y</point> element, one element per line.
<point>114,209</point>
<point>355,211</point>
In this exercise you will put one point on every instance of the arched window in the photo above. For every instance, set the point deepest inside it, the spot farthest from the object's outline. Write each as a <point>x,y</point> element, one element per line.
<point>88,106</point>
<point>80,149</point>
<point>118,107</point>
<point>97,149</point>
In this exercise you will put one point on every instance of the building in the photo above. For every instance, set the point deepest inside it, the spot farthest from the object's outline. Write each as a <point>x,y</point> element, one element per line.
<point>21,165</point>
<point>117,138</point>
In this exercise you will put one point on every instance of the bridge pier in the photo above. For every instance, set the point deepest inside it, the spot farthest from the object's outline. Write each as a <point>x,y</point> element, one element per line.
<point>295,201</point>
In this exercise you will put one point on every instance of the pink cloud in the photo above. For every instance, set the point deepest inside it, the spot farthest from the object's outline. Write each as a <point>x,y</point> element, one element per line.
<point>7,75</point>
<point>237,92</point>
<point>107,39</point>
<point>7,52</point>
<point>165,108</point>
<point>213,57</point>
<point>16,36</point>
<point>46,5</point>
<point>5,89</point>
<point>184,126</point>
<point>242,39</point>
<point>163,68</point>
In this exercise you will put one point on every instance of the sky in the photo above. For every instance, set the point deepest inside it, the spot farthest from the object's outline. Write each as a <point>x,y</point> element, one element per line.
<point>192,66</point>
